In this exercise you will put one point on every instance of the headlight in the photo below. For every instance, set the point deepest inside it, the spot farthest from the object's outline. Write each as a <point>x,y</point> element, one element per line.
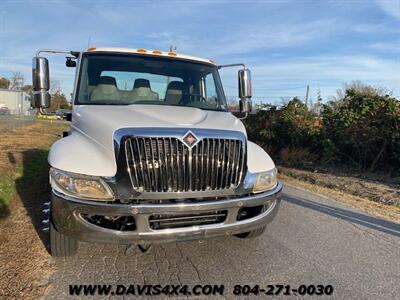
<point>265,181</point>
<point>80,186</point>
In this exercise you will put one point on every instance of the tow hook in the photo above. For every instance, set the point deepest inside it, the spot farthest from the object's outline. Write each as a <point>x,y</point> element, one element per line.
<point>144,248</point>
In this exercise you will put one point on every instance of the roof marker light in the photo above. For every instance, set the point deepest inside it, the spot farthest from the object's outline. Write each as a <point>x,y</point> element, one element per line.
<point>158,52</point>
<point>171,53</point>
<point>141,50</point>
<point>91,49</point>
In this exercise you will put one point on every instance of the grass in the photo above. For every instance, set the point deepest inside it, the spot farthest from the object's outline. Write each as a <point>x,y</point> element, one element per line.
<point>7,190</point>
<point>23,165</point>
<point>388,212</point>
<point>26,174</point>
<point>35,166</point>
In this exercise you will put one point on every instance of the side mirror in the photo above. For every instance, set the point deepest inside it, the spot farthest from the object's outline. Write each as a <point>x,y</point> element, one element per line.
<point>40,82</point>
<point>244,81</point>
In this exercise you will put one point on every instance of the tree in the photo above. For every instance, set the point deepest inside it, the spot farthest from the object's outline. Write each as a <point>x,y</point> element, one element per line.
<point>233,104</point>
<point>59,101</point>
<point>28,89</point>
<point>4,83</point>
<point>54,87</point>
<point>363,128</point>
<point>361,88</point>
<point>16,81</point>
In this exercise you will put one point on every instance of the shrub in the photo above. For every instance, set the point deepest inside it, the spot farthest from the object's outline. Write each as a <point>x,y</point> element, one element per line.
<point>361,128</point>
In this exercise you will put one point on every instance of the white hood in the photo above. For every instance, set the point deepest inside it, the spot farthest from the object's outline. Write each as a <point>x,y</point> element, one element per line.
<point>89,149</point>
<point>99,122</point>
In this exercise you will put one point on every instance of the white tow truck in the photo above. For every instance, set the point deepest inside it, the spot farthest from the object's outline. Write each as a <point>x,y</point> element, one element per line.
<point>153,153</point>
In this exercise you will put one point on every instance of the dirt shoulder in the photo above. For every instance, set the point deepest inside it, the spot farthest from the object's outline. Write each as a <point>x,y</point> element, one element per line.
<point>25,263</point>
<point>372,196</point>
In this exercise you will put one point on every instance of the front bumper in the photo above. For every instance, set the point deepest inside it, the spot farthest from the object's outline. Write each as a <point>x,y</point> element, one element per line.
<point>67,218</point>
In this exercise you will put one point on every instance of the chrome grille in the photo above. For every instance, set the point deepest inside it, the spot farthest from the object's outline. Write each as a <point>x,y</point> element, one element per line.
<point>196,219</point>
<point>166,164</point>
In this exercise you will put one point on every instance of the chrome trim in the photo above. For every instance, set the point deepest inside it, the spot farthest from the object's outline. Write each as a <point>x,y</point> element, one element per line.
<point>107,208</point>
<point>232,65</point>
<point>67,216</point>
<point>54,51</point>
<point>184,181</point>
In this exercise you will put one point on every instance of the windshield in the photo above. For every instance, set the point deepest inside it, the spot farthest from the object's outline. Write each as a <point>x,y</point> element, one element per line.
<point>111,79</point>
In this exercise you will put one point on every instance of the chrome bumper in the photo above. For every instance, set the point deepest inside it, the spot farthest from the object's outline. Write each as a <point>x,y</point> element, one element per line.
<point>67,218</point>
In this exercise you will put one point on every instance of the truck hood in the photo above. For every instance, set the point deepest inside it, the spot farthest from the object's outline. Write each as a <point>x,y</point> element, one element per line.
<point>89,149</point>
<point>98,123</point>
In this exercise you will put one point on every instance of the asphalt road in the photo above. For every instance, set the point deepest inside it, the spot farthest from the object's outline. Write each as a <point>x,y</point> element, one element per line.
<point>313,240</point>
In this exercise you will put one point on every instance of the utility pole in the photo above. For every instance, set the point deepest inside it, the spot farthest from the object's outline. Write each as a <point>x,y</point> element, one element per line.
<point>319,100</point>
<point>307,93</point>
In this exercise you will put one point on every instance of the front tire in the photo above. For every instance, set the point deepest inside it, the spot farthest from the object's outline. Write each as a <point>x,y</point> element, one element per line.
<point>60,244</point>
<point>252,234</point>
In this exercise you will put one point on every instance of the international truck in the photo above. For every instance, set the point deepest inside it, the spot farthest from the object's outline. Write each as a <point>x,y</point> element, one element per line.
<point>153,153</point>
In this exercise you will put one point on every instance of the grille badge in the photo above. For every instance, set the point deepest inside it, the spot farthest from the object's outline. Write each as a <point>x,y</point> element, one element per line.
<point>189,139</point>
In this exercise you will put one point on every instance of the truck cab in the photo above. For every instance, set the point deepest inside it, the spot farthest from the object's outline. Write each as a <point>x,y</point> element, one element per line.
<point>153,153</point>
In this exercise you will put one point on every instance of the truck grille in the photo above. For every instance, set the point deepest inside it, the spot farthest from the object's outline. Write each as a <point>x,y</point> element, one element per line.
<point>187,220</point>
<point>166,164</point>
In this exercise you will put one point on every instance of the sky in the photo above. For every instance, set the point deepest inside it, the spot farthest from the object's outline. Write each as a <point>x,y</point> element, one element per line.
<point>286,44</point>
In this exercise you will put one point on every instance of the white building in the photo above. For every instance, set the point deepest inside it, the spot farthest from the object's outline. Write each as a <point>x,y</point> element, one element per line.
<point>18,102</point>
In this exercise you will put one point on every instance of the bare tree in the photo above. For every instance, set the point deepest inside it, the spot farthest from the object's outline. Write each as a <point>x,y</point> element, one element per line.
<point>55,88</point>
<point>362,88</point>
<point>16,81</point>
<point>233,104</point>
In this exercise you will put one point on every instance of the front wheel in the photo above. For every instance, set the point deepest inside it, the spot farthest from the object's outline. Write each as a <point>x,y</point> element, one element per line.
<point>60,244</point>
<point>252,234</point>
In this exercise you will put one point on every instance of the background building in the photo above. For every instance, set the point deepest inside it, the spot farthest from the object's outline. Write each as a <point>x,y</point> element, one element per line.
<point>18,102</point>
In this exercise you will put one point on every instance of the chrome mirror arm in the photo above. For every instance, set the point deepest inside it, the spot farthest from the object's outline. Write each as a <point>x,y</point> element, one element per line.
<point>232,65</point>
<point>74,53</point>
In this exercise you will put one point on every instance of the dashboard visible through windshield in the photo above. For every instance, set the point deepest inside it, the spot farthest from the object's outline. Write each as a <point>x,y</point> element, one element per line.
<point>117,79</point>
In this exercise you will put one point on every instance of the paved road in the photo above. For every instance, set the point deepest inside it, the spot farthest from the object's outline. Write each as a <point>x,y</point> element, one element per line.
<point>312,241</point>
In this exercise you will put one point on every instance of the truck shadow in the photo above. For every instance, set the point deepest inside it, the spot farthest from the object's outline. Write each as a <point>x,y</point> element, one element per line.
<point>33,188</point>
<point>348,215</point>
<point>4,211</point>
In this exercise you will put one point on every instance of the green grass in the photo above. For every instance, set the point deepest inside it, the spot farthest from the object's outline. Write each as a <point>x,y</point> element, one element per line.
<point>34,167</point>
<point>7,190</point>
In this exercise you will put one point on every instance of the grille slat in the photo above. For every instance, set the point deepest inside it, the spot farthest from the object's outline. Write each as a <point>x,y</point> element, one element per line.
<point>158,222</point>
<point>233,158</point>
<point>201,168</point>
<point>160,164</point>
<point>227,163</point>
